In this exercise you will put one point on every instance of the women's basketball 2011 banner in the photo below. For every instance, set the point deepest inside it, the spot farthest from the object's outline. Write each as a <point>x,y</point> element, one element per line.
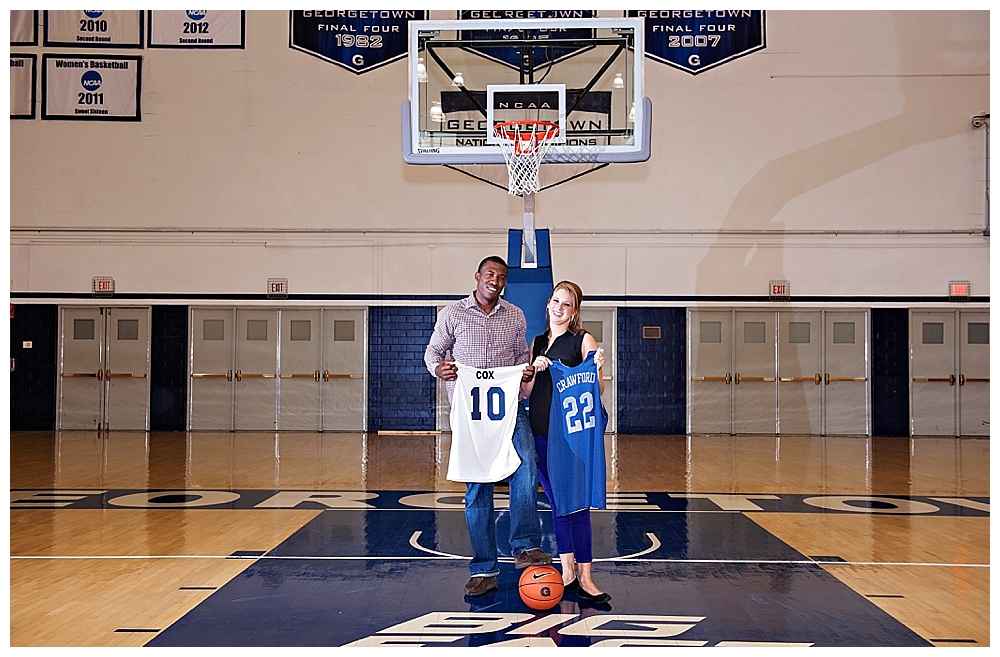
<point>22,86</point>
<point>197,28</point>
<point>91,87</point>
<point>94,28</point>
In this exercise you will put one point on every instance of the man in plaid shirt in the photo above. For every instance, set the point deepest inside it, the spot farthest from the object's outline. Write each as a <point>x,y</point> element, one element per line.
<point>484,331</point>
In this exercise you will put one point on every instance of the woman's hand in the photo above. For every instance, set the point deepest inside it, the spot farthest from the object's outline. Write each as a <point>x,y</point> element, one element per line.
<point>541,363</point>
<point>599,358</point>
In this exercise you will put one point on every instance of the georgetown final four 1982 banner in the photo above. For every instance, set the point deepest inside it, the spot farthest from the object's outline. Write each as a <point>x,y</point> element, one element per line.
<point>91,87</point>
<point>358,40</point>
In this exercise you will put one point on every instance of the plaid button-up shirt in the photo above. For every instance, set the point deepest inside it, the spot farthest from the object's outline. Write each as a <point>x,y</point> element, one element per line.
<point>477,339</point>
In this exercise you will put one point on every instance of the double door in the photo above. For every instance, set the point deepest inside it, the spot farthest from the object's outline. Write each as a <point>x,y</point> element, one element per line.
<point>787,372</point>
<point>103,370</point>
<point>269,369</point>
<point>950,373</point>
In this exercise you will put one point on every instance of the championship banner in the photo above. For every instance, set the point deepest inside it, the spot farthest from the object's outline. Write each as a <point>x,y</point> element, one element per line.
<point>541,56</point>
<point>357,40</point>
<point>23,27</point>
<point>695,41</point>
<point>91,88</point>
<point>197,28</point>
<point>94,28</point>
<point>22,86</point>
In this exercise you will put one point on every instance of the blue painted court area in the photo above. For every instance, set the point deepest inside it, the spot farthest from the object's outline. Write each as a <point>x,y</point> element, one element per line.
<point>385,577</point>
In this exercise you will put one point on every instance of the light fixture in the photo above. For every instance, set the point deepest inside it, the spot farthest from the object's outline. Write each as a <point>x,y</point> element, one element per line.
<point>421,70</point>
<point>618,82</point>
<point>437,114</point>
<point>459,81</point>
<point>631,114</point>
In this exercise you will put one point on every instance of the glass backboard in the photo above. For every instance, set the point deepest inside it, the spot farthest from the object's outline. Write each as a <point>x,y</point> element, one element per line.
<point>585,74</point>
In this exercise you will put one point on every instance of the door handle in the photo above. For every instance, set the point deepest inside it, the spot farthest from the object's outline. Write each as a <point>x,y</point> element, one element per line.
<point>327,376</point>
<point>950,380</point>
<point>228,376</point>
<point>817,379</point>
<point>126,375</point>
<point>240,375</point>
<point>766,379</point>
<point>727,378</point>
<point>844,378</point>
<point>314,375</point>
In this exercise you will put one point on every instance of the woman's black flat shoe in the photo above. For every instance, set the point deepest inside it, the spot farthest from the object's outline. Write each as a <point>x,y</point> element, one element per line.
<point>572,586</point>
<point>599,598</point>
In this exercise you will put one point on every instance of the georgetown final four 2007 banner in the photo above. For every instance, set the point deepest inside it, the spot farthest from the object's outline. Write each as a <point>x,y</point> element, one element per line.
<point>698,40</point>
<point>91,87</point>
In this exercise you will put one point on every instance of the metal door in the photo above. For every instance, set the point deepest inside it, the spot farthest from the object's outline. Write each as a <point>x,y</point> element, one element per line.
<point>256,406</point>
<point>126,368</point>
<point>755,373</point>
<point>933,389</point>
<point>846,397</point>
<point>299,357</point>
<point>799,366</point>
<point>344,376</point>
<point>212,344</point>
<point>104,368</point>
<point>710,352</point>
<point>603,325</point>
<point>81,368</point>
<point>974,373</point>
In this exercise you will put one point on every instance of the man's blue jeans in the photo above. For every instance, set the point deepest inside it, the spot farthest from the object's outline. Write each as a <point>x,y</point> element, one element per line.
<point>525,531</point>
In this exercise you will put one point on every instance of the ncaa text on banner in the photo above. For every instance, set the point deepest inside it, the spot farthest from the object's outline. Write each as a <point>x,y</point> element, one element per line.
<point>357,40</point>
<point>541,56</point>
<point>695,41</point>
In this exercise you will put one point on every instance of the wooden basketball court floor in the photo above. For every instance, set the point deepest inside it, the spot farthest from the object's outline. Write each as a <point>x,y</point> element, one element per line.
<point>333,539</point>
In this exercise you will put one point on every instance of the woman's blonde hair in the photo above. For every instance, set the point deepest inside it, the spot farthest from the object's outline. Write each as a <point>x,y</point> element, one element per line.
<point>577,294</point>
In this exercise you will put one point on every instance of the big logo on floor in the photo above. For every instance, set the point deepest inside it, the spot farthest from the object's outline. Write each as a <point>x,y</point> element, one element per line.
<point>549,630</point>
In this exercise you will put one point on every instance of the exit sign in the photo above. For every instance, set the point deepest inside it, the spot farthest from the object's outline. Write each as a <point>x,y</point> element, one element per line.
<point>103,286</point>
<point>959,290</point>
<point>277,288</point>
<point>779,291</point>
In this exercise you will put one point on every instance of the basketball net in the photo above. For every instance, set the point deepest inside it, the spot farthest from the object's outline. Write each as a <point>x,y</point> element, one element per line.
<point>524,144</point>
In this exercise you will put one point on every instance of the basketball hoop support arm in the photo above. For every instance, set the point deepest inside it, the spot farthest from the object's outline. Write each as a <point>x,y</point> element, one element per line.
<point>529,259</point>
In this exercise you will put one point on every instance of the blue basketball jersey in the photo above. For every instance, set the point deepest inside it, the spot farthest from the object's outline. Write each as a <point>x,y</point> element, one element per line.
<point>577,421</point>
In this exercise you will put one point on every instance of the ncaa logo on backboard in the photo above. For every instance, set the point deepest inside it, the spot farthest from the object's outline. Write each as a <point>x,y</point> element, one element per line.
<point>91,81</point>
<point>695,41</point>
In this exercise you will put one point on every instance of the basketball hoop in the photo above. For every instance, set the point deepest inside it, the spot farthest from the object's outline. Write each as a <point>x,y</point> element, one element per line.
<point>524,144</point>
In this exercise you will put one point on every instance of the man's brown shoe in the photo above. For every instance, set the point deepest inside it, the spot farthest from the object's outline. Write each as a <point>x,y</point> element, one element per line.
<point>532,557</point>
<point>480,585</point>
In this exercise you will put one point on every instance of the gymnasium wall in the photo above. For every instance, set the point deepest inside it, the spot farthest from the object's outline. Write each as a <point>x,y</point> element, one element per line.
<point>841,158</point>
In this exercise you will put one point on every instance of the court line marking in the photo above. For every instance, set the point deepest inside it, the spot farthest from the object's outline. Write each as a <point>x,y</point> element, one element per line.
<point>807,562</point>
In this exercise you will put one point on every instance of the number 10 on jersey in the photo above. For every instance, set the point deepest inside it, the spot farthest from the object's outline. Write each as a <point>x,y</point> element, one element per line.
<point>496,406</point>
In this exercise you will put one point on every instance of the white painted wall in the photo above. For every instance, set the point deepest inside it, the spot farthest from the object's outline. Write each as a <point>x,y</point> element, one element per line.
<point>267,162</point>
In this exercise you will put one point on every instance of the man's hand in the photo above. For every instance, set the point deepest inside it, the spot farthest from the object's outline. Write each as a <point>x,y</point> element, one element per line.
<point>446,370</point>
<point>529,374</point>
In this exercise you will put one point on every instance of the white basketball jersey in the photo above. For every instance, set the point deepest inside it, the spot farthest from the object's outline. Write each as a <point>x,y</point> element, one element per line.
<point>483,416</point>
